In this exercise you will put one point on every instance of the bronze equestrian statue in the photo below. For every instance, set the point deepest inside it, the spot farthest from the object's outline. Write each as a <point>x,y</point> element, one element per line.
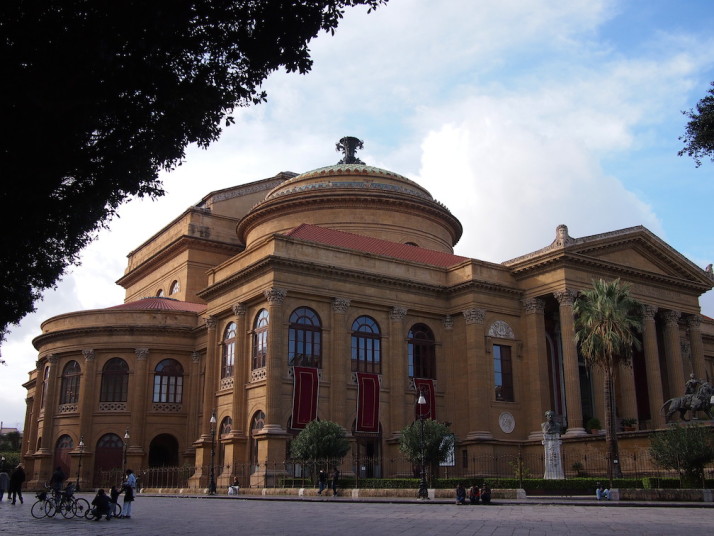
<point>700,399</point>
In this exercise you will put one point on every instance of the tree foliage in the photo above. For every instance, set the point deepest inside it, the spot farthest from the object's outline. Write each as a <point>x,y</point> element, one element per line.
<point>699,133</point>
<point>685,449</point>
<point>97,97</point>
<point>607,320</point>
<point>320,441</point>
<point>438,442</point>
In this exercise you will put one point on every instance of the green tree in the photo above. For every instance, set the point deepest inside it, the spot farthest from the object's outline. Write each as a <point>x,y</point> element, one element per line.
<point>685,449</point>
<point>320,442</point>
<point>607,320</point>
<point>438,442</point>
<point>97,97</point>
<point>699,133</point>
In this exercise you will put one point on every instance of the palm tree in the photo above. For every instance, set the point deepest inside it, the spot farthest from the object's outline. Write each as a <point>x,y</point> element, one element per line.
<point>606,322</point>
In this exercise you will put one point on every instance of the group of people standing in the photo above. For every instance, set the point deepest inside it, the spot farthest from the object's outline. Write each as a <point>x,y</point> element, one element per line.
<point>476,495</point>
<point>12,483</point>
<point>322,481</point>
<point>106,505</point>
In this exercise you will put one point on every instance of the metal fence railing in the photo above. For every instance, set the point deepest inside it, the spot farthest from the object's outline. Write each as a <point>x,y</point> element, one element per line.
<point>361,472</point>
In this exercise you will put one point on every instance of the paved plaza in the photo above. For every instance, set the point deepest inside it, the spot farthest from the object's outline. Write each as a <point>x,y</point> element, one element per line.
<point>156,515</point>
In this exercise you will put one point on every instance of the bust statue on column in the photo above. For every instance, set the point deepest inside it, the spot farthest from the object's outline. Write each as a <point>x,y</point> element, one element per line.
<point>551,443</point>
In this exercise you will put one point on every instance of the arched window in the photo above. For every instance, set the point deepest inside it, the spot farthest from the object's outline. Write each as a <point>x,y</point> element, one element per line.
<point>304,338</point>
<point>260,339</point>
<point>256,426</point>
<point>366,346</point>
<point>229,350</point>
<point>115,381</point>
<point>70,383</point>
<point>420,349</point>
<point>160,293</point>
<point>174,288</point>
<point>168,382</point>
<point>63,447</point>
<point>226,426</point>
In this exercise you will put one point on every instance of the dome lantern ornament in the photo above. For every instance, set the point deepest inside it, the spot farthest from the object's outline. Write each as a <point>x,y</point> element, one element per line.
<point>349,145</point>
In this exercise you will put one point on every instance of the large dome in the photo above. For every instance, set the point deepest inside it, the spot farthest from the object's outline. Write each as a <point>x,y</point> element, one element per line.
<point>355,198</point>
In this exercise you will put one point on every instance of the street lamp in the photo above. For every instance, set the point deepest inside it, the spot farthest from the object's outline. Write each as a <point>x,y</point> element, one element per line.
<point>126,443</point>
<point>421,402</point>
<point>79,465</point>
<point>212,481</point>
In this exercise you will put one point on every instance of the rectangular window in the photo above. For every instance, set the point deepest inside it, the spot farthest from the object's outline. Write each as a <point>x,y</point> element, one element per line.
<point>502,373</point>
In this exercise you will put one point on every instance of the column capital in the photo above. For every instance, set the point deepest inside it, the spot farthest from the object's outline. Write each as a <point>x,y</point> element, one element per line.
<point>141,353</point>
<point>671,317</point>
<point>239,309</point>
<point>211,322</point>
<point>565,297</point>
<point>694,321</point>
<point>474,315</point>
<point>448,322</point>
<point>89,354</point>
<point>195,357</point>
<point>533,306</point>
<point>275,296</point>
<point>649,311</point>
<point>340,305</point>
<point>398,313</point>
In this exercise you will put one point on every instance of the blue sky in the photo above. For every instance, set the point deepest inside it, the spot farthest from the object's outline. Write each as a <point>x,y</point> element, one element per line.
<point>519,115</point>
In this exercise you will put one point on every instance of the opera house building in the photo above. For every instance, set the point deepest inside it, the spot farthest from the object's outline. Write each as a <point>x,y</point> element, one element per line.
<point>336,295</point>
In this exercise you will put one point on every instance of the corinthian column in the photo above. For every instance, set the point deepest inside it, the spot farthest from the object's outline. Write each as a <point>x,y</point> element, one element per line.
<point>654,376</point>
<point>397,363</point>
<point>340,366</point>
<point>478,380</point>
<point>209,379</point>
<point>697,345</point>
<point>673,351</point>
<point>571,368</point>
<point>274,365</point>
<point>537,361</point>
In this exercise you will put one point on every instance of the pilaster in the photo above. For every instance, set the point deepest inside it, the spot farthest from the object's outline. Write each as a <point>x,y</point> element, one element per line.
<point>571,367</point>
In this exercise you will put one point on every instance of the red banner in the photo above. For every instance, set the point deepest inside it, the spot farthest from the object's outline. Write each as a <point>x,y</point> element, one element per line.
<point>425,387</point>
<point>304,396</point>
<point>367,403</point>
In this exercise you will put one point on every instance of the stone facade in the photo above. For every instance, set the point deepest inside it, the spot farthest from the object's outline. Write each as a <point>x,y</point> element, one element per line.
<point>211,301</point>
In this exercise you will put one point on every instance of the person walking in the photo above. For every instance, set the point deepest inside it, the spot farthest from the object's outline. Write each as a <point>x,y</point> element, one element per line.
<point>335,481</point>
<point>16,480</point>
<point>128,486</point>
<point>4,482</point>
<point>322,481</point>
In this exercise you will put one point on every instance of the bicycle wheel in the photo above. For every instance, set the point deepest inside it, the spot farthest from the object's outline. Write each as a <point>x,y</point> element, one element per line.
<point>81,507</point>
<point>67,508</point>
<point>50,507</point>
<point>38,509</point>
<point>117,510</point>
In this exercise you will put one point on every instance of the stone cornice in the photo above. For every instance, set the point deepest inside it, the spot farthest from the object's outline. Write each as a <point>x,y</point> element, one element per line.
<point>179,245</point>
<point>579,250</point>
<point>104,331</point>
<point>581,262</point>
<point>386,200</point>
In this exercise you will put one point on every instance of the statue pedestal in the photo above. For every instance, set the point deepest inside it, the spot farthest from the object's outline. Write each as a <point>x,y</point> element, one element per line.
<point>553,461</point>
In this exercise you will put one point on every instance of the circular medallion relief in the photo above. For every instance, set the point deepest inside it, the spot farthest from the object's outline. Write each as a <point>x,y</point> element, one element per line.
<point>506,422</point>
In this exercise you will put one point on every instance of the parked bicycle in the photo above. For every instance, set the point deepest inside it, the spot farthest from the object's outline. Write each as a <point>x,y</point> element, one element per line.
<point>63,502</point>
<point>39,509</point>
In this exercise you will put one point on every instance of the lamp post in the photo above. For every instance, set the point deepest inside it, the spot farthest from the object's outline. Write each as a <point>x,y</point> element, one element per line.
<point>126,444</point>
<point>212,480</point>
<point>79,465</point>
<point>421,402</point>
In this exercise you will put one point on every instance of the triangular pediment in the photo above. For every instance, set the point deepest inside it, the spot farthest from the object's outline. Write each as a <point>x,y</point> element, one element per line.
<point>634,250</point>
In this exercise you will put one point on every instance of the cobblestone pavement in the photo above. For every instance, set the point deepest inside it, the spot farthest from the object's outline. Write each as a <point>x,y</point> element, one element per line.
<point>178,516</point>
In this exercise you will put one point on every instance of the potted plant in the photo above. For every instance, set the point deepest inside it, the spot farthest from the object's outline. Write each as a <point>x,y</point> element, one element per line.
<point>593,425</point>
<point>629,425</point>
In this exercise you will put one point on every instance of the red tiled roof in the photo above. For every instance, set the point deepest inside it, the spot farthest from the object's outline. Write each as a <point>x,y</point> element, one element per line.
<point>366,244</point>
<point>161,304</point>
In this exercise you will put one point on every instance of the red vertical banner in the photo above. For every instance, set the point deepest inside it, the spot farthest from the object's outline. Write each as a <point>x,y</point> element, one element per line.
<point>305,391</point>
<point>426,387</point>
<point>367,403</point>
